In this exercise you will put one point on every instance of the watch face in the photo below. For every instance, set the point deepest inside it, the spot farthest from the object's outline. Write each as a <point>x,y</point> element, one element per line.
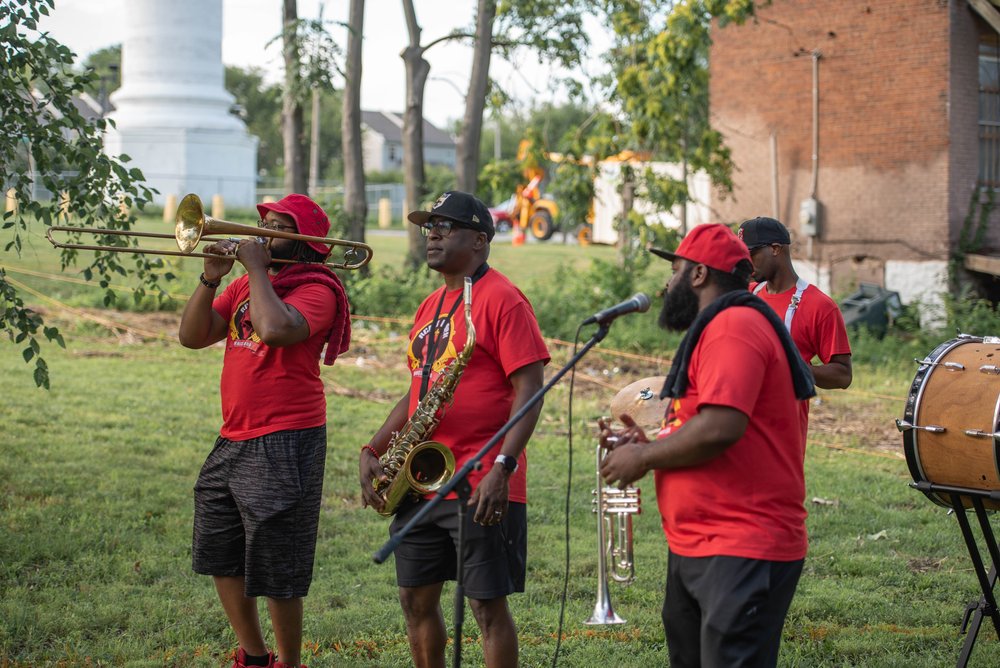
<point>509,463</point>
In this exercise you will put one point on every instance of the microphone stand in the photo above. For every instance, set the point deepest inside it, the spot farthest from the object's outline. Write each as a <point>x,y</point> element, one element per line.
<point>464,490</point>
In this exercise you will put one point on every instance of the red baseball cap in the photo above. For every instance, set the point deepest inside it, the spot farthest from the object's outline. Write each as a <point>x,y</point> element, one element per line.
<point>309,217</point>
<point>713,245</point>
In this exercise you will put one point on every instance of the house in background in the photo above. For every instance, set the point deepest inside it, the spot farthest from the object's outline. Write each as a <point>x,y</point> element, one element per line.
<point>382,143</point>
<point>871,129</point>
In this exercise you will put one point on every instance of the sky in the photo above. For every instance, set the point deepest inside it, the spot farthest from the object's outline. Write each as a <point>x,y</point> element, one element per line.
<point>248,25</point>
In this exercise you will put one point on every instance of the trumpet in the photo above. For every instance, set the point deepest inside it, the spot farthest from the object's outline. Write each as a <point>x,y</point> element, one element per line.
<point>614,509</point>
<point>192,226</point>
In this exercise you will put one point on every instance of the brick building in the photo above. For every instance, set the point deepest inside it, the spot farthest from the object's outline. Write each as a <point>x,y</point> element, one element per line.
<point>882,117</point>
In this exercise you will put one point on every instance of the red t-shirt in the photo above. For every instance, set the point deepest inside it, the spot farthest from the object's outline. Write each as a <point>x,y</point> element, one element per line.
<point>267,389</point>
<point>748,501</point>
<point>818,325</point>
<point>818,328</point>
<point>507,338</point>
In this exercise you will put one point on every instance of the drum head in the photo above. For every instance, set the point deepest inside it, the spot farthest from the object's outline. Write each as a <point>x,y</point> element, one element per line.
<point>641,402</point>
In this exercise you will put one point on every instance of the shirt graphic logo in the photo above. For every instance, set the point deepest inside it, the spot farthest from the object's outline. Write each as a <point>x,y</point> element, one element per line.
<point>241,331</point>
<point>444,333</point>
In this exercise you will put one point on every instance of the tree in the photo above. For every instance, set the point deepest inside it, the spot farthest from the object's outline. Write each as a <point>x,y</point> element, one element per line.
<point>261,105</point>
<point>417,69</point>
<point>292,123</point>
<point>46,139</point>
<point>552,29</point>
<point>660,64</point>
<point>355,204</point>
<point>107,65</point>
<point>312,59</point>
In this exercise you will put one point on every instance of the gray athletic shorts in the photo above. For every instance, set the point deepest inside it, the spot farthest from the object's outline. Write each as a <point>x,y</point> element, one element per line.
<point>495,556</point>
<point>256,511</point>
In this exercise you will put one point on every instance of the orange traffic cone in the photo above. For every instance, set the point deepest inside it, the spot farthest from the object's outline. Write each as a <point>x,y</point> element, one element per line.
<point>517,238</point>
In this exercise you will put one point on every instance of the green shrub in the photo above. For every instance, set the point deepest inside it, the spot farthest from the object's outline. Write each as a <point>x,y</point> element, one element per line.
<point>391,292</point>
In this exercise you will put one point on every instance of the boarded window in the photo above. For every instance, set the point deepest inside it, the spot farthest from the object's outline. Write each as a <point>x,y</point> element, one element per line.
<point>989,111</point>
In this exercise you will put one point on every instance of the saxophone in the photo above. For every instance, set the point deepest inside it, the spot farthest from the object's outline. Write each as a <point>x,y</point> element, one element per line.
<point>413,464</point>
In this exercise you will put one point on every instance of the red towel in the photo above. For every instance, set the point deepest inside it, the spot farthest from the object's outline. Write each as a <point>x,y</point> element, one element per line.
<point>295,275</point>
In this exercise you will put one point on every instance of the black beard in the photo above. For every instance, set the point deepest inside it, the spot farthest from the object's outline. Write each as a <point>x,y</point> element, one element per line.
<point>283,252</point>
<point>680,305</point>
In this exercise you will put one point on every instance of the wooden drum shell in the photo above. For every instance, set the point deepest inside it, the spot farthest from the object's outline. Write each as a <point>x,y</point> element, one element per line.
<point>956,390</point>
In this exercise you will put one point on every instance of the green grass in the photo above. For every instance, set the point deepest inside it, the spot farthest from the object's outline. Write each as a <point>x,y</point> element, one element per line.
<point>95,512</point>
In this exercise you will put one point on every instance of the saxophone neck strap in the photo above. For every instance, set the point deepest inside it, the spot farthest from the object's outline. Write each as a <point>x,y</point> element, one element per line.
<point>437,328</point>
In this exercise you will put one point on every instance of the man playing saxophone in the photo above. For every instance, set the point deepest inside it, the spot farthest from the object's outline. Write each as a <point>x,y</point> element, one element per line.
<point>502,373</point>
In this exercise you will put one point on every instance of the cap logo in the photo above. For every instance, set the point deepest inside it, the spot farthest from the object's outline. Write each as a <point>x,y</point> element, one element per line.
<point>475,218</point>
<point>739,233</point>
<point>441,200</point>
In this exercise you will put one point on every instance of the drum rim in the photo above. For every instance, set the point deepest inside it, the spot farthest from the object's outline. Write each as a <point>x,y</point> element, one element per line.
<point>925,369</point>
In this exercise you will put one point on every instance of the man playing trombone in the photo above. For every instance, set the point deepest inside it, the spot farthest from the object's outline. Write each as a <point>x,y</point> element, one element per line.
<point>258,495</point>
<point>728,460</point>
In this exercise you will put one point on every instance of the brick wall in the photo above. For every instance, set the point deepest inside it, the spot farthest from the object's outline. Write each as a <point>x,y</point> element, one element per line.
<point>887,118</point>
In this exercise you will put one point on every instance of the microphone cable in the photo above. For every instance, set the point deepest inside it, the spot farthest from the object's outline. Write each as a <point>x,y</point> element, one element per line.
<point>569,498</point>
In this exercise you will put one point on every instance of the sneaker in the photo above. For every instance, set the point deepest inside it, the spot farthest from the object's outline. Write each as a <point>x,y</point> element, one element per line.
<point>241,659</point>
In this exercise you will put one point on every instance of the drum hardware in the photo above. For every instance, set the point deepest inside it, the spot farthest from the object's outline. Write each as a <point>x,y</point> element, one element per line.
<point>954,366</point>
<point>990,368</point>
<point>978,433</point>
<point>903,425</point>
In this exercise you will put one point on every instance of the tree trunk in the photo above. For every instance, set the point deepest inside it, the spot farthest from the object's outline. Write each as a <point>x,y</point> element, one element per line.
<point>355,204</point>
<point>314,143</point>
<point>417,70</point>
<point>292,117</point>
<point>467,168</point>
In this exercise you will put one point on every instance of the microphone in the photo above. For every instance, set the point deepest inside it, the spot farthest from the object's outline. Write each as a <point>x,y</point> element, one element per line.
<point>638,302</point>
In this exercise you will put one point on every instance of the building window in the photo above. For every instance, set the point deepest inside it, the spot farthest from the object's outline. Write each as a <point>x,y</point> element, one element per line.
<point>393,156</point>
<point>989,110</point>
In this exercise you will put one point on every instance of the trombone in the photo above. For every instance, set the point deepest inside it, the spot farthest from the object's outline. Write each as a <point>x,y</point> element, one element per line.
<point>192,226</point>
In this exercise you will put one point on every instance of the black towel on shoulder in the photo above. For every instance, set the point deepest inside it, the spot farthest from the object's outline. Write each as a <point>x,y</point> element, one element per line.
<point>677,380</point>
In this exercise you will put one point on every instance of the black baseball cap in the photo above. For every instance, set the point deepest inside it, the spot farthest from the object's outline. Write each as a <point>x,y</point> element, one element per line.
<point>763,231</point>
<point>461,208</point>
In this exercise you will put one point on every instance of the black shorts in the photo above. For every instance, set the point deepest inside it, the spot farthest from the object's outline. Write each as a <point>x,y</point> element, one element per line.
<point>495,556</point>
<point>256,511</point>
<point>727,611</point>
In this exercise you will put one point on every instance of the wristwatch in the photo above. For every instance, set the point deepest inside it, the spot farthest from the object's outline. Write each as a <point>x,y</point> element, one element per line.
<point>509,463</point>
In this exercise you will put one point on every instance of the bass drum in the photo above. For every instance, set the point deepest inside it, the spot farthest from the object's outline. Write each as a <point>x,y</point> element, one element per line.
<point>951,424</point>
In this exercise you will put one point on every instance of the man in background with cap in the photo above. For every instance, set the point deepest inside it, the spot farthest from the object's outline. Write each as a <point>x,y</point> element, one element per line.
<point>728,460</point>
<point>812,318</point>
<point>505,370</point>
<point>257,498</point>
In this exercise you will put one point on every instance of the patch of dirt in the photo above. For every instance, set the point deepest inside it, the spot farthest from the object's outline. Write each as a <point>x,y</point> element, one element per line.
<point>856,420</point>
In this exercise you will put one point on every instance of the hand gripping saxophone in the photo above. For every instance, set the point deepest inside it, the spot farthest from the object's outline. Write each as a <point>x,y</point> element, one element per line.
<point>413,464</point>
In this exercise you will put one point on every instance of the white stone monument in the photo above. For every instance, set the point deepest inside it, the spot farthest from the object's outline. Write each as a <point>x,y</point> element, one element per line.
<point>172,113</point>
